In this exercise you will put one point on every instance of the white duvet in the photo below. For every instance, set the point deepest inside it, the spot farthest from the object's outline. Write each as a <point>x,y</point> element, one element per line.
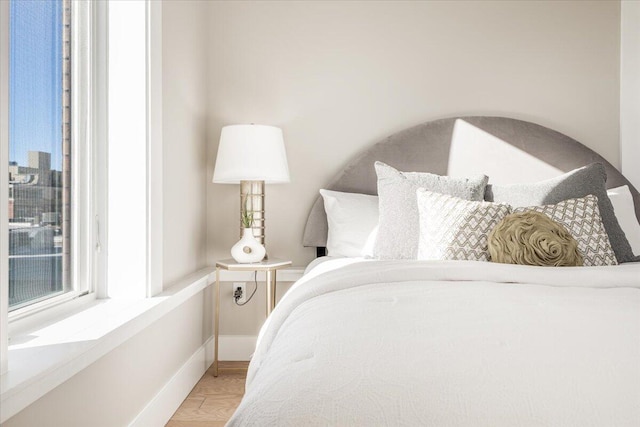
<point>384,343</point>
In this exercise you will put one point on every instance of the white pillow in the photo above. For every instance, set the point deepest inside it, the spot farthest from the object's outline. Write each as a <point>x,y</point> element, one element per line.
<point>454,228</point>
<point>622,202</point>
<point>353,222</point>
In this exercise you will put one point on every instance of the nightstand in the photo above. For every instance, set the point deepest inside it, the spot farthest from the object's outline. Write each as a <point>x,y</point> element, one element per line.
<point>270,266</point>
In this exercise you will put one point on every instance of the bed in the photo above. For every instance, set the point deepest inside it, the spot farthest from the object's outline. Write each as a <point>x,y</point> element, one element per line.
<point>398,338</point>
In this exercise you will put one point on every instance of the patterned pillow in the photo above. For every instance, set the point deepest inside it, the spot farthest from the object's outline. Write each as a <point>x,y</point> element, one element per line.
<point>456,229</point>
<point>398,224</point>
<point>590,179</point>
<point>581,218</point>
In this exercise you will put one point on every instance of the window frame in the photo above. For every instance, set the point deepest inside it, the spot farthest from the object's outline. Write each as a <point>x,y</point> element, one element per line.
<point>87,172</point>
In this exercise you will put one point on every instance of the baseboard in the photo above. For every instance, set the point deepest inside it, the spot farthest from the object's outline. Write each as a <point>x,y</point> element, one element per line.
<point>236,347</point>
<point>160,409</point>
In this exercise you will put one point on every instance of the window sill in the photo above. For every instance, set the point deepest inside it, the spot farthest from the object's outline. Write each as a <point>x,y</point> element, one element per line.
<point>41,360</point>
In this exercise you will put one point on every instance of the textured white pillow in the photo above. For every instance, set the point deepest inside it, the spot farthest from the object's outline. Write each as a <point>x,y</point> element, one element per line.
<point>454,228</point>
<point>352,219</point>
<point>624,209</point>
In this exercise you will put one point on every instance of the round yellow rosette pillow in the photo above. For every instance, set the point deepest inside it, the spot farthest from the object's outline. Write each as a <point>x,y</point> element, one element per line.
<point>532,238</point>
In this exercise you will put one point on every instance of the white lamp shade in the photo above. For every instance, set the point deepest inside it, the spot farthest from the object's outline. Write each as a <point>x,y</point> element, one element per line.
<point>251,153</point>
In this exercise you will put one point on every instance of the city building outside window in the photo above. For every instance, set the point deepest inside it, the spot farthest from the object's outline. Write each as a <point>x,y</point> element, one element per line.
<point>39,150</point>
<point>51,161</point>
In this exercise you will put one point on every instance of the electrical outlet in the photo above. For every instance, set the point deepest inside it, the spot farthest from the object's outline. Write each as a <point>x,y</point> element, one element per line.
<point>241,289</point>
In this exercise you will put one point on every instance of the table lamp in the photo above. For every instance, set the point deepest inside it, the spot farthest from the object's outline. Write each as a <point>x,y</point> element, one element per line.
<point>251,155</point>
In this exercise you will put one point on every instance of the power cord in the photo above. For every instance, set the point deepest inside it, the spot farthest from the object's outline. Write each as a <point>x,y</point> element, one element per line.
<point>237,293</point>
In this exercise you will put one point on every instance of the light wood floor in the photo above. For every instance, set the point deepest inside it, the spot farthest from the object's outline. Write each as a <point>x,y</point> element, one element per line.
<point>213,400</point>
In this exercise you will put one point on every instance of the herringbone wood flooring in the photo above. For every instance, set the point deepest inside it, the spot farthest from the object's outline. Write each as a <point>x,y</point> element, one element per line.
<point>213,400</point>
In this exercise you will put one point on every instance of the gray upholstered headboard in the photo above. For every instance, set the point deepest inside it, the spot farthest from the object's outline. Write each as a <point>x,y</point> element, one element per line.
<point>507,150</point>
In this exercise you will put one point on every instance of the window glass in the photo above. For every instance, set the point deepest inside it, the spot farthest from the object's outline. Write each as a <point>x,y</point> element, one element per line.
<point>39,151</point>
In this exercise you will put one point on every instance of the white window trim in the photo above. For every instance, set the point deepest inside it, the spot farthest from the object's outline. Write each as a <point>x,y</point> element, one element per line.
<point>84,105</point>
<point>134,267</point>
<point>100,122</point>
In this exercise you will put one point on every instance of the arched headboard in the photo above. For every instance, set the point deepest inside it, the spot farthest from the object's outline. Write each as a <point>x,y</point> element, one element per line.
<point>505,149</point>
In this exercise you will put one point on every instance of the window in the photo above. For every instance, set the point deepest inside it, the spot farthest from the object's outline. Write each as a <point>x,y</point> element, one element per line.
<point>63,81</point>
<point>51,167</point>
<point>39,151</point>
<point>101,72</point>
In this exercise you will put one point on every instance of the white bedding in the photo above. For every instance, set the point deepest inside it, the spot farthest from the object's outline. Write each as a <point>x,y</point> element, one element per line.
<point>450,344</point>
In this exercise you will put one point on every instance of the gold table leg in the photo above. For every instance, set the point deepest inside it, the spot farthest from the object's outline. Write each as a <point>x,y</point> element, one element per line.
<point>216,327</point>
<point>271,291</point>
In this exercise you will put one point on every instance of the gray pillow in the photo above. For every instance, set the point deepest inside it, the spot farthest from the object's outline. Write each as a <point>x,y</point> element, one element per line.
<point>399,226</point>
<point>590,179</point>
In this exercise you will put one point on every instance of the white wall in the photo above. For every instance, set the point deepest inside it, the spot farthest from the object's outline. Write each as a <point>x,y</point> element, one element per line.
<point>113,390</point>
<point>630,90</point>
<point>339,76</point>
<point>184,72</point>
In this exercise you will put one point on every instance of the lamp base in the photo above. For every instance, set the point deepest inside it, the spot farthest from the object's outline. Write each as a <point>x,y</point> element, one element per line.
<point>252,202</point>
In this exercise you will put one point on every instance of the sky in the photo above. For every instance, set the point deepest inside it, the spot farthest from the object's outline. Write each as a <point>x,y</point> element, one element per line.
<point>35,80</point>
